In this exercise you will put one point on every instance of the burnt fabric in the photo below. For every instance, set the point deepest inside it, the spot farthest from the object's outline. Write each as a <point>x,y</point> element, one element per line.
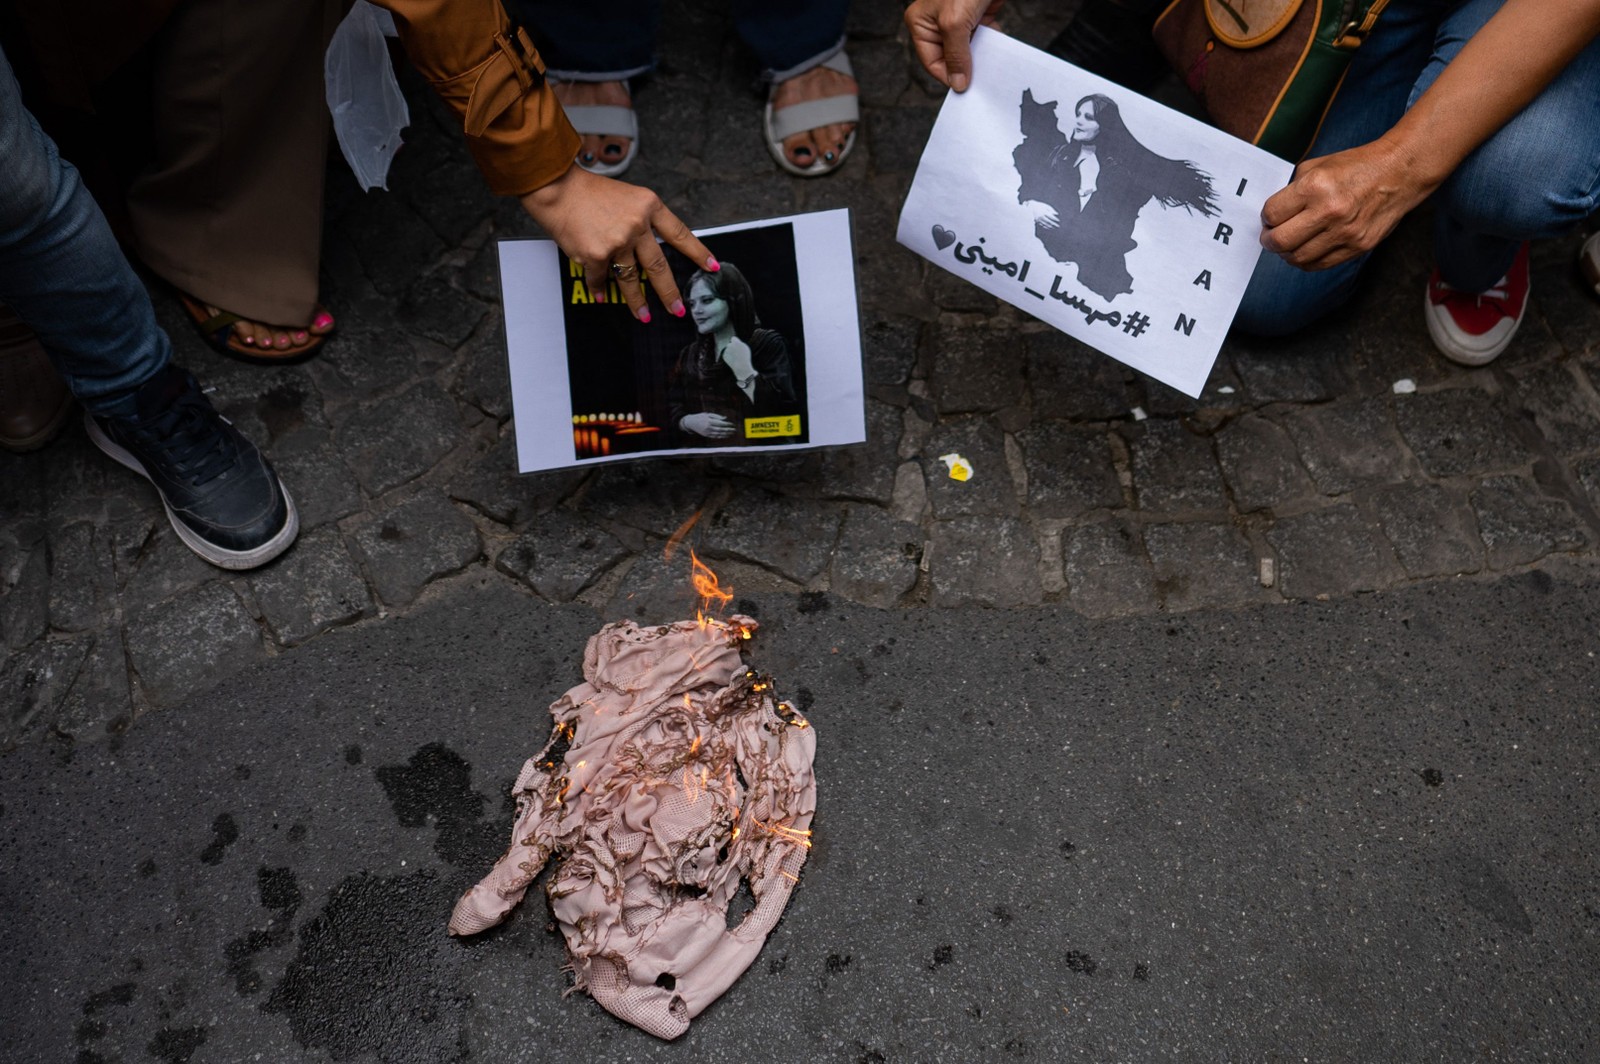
<point>681,776</point>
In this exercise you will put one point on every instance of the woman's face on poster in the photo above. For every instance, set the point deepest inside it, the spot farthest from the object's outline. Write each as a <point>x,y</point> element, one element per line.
<point>709,311</point>
<point>1085,128</point>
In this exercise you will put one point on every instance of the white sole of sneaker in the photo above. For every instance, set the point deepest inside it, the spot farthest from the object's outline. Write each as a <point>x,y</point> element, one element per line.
<point>221,557</point>
<point>1451,346</point>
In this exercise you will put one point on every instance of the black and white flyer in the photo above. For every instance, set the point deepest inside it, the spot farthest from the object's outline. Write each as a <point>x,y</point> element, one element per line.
<point>590,384</point>
<point>1119,221</point>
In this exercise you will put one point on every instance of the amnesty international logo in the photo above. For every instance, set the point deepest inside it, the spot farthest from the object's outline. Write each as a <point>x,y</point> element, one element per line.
<point>765,427</point>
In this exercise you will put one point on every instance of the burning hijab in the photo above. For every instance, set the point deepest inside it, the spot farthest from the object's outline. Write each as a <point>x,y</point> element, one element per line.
<point>672,774</point>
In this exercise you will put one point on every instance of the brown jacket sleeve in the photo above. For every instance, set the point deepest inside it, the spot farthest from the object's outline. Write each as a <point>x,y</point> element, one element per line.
<point>494,79</point>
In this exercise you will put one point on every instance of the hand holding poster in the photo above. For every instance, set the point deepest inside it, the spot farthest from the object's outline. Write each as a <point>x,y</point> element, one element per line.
<point>1119,221</point>
<point>767,354</point>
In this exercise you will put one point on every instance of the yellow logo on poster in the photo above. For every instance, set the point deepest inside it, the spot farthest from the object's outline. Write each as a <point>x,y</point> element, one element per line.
<point>756,428</point>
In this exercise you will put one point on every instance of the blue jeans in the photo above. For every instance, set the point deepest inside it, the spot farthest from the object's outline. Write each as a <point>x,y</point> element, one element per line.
<point>1538,176</point>
<point>615,40</point>
<point>62,272</point>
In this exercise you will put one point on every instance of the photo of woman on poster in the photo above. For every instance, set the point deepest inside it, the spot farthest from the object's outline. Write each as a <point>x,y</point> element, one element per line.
<point>1086,191</point>
<point>734,371</point>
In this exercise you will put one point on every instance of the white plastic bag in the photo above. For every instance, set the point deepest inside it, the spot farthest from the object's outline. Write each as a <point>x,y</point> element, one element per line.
<point>368,110</point>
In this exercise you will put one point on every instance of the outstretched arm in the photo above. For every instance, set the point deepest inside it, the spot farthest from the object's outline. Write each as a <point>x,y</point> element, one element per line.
<point>1341,205</point>
<point>941,34</point>
<point>492,77</point>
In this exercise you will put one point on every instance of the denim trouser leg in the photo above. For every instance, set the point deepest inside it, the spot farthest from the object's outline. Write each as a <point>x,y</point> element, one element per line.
<point>587,42</point>
<point>62,271</point>
<point>790,37</point>
<point>1538,176</point>
<point>1282,298</point>
<point>590,41</point>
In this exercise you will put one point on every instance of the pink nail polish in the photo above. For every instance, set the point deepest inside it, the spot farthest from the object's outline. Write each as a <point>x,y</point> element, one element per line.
<point>322,321</point>
<point>712,264</point>
<point>644,315</point>
<point>299,337</point>
<point>250,340</point>
<point>677,308</point>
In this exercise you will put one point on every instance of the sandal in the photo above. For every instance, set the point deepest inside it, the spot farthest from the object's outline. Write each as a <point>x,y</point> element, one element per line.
<point>813,114</point>
<point>606,120</point>
<point>217,331</point>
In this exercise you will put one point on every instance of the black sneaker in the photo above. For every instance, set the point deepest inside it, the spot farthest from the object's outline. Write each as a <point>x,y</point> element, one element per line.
<point>222,497</point>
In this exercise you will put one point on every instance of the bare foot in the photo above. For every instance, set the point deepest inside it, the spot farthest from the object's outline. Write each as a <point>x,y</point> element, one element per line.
<point>278,337</point>
<point>825,143</point>
<point>605,150</point>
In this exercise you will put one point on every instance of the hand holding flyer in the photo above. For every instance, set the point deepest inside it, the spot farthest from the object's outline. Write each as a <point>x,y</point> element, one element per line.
<point>1119,221</point>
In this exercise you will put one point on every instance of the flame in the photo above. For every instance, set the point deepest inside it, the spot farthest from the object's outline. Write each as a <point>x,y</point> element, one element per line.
<point>707,587</point>
<point>677,537</point>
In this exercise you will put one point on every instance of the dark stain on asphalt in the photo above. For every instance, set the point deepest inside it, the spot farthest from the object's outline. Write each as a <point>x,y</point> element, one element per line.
<point>375,974</point>
<point>777,964</point>
<point>281,409</point>
<point>1068,850</point>
<point>1017,1047</point>
<point>280,895</point>
<point>177,1045</point>
<point>834,965</point>
<point>121,994</point>
<point>241,772</point>
<point>147,868</point>
<point>352,754</point>
<point>941,957</point>
<point>1485,890</point>
<point>435,788</point>
<point>1078,961</point>
<point>1141,972</point>
<point>1432,777</point>
<point>813,602</point>
<point>1002,913</point>
<point>224,834</point>
<point>804,699</point>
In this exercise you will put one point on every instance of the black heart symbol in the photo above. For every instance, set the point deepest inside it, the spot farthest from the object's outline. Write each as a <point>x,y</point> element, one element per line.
<point>942,237</point>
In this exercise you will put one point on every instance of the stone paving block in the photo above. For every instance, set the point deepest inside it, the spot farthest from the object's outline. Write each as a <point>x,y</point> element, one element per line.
<point>484,379</point>
<point>1461,430</point>
<point>85,484</point>
<point>898,136</point>
<point>1431,528</point>
<point>480,276</point>
<point>315,586</point>
<point>1204,565</point>
<point>1304,368</point>
<point>758,195</point>
<point>1331,552</point>
<point>153,564</point>
<point>1174,470</point>
<point>82,577</point>
<point>33,685</point>
<point>881,70</point>
<point>391,241</point>
<point>561,555</point>
<point>1221,395</point>
<point>986,561</point>
<point>656,588</point>
<point>877,557</point>
<point>190,642</point>
<point>1348,445</point>
<point>1070,380</point>
<point>990,490</point>
<point>1260,464</point>
<point>23,483</point>
<point>489,483</point>
<point>976,368</point>
<point>434,309</point>
<point>868,471</point>
<point>889,349</point>
<point>959,295</point>
<point>362,364</point>
<point>397,439</point>
<point>1069,469</point>
<point>24,592</point>
<point>796,471</point>
<point>1588,473</point>
<point>1567,306</point>
<point>267,407</point>
<point>1106,571</point>
<point>1563,404</point>
<point>1520,524</point>
<point>313,470</point>
<point>656,497</point>
<point>405,546</point>
<point>439,181</point>
<point>100,702</point>
<point>792,538</point>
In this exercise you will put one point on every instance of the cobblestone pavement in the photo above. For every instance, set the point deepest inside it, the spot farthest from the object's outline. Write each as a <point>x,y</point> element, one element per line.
<point>1301,472</point>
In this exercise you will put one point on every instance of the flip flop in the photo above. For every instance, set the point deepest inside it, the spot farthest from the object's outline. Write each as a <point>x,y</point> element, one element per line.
<point>217,331</point>
<point>607,120</point>
<point>812,114</point>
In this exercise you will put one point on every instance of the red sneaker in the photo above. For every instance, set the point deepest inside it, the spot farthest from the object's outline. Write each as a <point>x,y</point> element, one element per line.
<point>1473,328</point>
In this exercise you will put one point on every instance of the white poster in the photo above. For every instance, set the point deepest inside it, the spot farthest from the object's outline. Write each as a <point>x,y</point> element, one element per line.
<point>590,384</point>
<point>1119,221</point>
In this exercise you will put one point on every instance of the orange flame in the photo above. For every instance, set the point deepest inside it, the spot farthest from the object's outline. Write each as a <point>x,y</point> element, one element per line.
<point>677,537</point>
<point>707,587</point>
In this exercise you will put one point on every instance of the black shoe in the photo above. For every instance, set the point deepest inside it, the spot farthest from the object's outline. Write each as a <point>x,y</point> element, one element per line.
<point>222,497</point>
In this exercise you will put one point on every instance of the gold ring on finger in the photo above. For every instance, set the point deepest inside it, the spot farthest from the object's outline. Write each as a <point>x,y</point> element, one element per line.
<point>624,271</point>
